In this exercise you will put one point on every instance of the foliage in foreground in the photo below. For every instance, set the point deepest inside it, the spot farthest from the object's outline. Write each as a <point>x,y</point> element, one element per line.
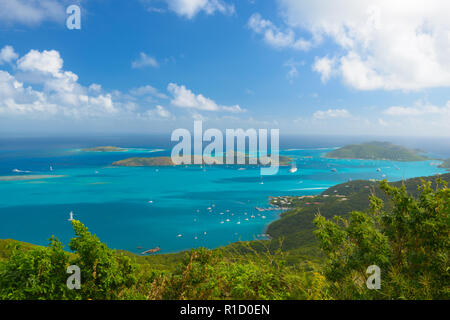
<point>409,241</point>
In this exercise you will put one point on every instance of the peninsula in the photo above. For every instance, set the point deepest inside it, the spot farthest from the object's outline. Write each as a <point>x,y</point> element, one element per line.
<point>376,151</point>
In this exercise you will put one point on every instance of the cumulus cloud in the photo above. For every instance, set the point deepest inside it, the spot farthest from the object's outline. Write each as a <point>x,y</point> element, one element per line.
<point>39,90</point>
<point>331,113</point>
<point>185,98</point>
<point>59,94</point>
<point>274,36</point>
<point>31,12</point>
<point>45,61</point>
<point>7,54</point>
<point>144,61</point>
<point>190,8</point>
<point>324,66</point>
<point>390,45</point>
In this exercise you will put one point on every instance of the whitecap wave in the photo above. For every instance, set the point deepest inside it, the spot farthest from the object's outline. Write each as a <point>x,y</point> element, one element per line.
<point>20,171</point>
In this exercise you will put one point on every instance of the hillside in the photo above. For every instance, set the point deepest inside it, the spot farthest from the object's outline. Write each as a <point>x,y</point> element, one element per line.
<point>7,244</point>
<point>296,225</point>
<point>376,151</point>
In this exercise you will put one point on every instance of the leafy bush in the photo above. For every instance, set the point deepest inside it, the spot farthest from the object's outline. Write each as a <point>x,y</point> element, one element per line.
<point>40,273</point>
<point>409,242</point>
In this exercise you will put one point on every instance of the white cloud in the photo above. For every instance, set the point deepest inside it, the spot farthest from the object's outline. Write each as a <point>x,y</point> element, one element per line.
<point>39,93</point>
<point>324,66</point>
<point>233,109</point>
<point>58,93</point>
<point>159,111</point>
<point>402,44</point>
<point>331,113</point>
<point>185,98</point>
<point>148,90</point>
<point>419,109</point>
<point>145,61</point>
<point>190,8</point>
<point>45,61</point>
<point>276,37</point>
<point>7,54</point>
<point>31,12</point>
<point>95,87</point>
<point>162,112</point>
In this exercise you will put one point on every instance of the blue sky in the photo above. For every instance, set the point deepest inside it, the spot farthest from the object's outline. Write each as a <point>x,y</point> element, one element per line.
<point>155,65</point>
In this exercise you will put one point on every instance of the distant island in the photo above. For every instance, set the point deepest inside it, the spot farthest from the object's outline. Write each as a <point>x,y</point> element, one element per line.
<point>144,162</point>
<point>104,149</point>
<point>445,164</point>
<point>167,161</point>
<point>376,151</point>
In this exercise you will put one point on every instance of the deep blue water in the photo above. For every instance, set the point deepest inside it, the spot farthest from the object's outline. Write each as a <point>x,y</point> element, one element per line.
<point>190,207</point>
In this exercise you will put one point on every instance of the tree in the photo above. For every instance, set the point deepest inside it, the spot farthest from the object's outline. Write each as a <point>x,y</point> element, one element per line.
<point>408,238</point>
<point>104,273</point>
<point>40,273</point>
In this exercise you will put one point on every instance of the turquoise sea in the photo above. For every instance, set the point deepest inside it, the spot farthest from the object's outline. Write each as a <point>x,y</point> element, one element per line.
<point>175,208</point>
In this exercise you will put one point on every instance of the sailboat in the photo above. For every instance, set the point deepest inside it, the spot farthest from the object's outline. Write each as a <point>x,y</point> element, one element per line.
<point>51,168</point>
<point>293,168</point>
<point>71,216</point>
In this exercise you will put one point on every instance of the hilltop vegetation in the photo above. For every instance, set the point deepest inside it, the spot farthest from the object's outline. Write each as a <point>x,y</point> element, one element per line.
<point>296,226</point>
<point>403,230</point>
<point>376,151</point>
<point>144,162</point>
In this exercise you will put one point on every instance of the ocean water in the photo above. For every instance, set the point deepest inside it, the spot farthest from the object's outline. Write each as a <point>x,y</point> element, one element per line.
<point>175,208</point>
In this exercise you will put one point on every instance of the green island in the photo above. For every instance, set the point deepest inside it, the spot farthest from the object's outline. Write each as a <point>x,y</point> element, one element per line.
<point>320,248</point>
<point>377,151</point>
<point>104,149</point>
<point>445,164</point>
<point>167,161</point>
<point>144,162</point>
